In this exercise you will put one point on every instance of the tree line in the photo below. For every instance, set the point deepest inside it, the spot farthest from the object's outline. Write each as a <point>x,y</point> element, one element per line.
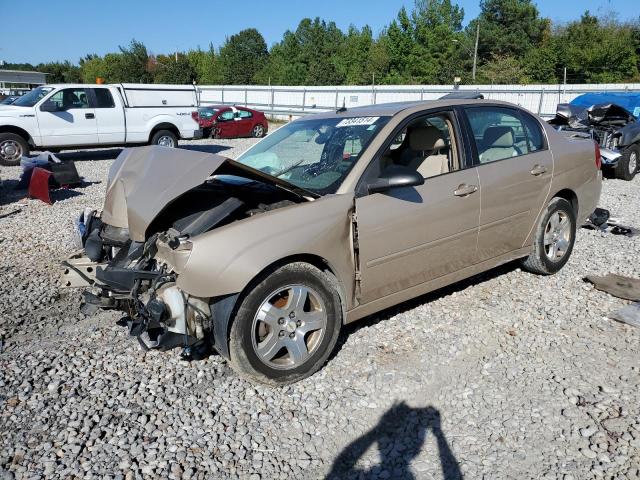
<point>424,45</point>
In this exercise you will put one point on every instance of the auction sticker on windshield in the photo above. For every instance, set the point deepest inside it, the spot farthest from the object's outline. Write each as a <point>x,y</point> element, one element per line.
<point>356,121</point>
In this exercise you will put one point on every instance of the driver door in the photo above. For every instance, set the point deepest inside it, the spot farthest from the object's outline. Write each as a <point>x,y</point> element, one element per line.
<point>409,236</point>
<point>72,123</point>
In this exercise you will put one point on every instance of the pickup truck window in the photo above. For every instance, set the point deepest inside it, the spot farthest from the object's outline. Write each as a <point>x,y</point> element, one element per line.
<point>33,97</point>
<point>70,98</point>
<point>104,99</point>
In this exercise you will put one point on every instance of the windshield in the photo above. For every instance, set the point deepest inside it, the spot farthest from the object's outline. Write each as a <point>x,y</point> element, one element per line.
<point>33,97</point>
<point>314,154</point>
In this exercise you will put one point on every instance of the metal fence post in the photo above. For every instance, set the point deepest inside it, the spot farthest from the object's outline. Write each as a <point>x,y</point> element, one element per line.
<point>272,99</point>
<point>222,95</point>
<point>304,98</point>
<point>540,102</point>
<point>337,98</point>
<point>245,97</point>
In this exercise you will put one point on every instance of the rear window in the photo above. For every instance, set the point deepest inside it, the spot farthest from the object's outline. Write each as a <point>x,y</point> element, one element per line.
<point>104,98</point>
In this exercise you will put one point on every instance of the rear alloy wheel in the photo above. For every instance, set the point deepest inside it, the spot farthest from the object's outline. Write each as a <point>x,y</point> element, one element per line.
<point>628,163</point>
<point>286,326</point>
<point>258,131</point>
<point>12,148</point>
<point>165,138</point>
<point>554,239</point>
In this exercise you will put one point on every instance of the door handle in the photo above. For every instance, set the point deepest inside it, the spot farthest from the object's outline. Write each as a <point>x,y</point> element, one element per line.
<point>89,115</point>
<point>538,170</point>
<point>463,190</point>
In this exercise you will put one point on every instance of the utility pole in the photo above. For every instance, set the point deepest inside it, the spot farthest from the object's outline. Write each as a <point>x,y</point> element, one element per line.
<point>475,51</point>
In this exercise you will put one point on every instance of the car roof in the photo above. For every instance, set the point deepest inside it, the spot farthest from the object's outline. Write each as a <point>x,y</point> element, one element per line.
<point>391,109</point>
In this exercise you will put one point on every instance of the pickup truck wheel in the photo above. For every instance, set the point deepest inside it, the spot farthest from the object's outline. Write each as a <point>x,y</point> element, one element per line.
<point>554,239</point>
<point>165,138</point>
<point>12,148</point>
<point>286,326</point>
<point>628,163</point>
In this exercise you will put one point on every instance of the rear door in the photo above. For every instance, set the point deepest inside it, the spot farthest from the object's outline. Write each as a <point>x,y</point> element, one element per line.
<point>409,236</point>
<point>515,168</point>
<point>73,122</point>
<point>226,124</point>
<point>244,122</point>
<point>109,117</point>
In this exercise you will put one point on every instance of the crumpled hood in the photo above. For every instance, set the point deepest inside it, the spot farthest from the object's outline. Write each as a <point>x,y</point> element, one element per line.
<point>143,180</point>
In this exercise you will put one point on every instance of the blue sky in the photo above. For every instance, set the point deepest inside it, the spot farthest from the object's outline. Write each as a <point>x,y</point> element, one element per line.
<point>72,28</point>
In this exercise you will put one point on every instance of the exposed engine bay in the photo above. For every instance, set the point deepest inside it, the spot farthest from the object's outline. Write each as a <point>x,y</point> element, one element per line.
<point>138,276</point>
<point>610,125</point>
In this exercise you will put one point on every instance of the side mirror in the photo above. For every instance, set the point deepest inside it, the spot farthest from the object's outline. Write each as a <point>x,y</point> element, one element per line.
<point>49,107</point>
<point>395,176</point>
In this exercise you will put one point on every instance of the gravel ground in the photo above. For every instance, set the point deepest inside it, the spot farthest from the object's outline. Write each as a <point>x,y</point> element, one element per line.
<point>506,375</point>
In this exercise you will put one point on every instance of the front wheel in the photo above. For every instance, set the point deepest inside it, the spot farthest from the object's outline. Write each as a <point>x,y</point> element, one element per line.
<point>164,138</point>
<point>12,148</point>
<point>628,163</point>
<point>554,239</point>
<point>286,325</point>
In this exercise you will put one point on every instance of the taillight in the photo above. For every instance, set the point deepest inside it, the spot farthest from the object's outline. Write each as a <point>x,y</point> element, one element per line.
<point>598,156</point>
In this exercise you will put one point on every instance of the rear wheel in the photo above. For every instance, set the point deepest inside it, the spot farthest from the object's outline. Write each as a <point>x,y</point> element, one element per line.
<point>12,149</point>
<point>554,239</point>
<point>164,138</point>
<point>257,131</point>
<point>286,326</point>
<point>628,163</point>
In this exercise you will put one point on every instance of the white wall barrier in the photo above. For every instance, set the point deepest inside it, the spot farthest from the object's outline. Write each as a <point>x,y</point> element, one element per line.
<point>296,101</point>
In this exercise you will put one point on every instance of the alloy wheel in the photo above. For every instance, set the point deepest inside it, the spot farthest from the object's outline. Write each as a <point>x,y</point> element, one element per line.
<point>557,236</point>
<point>289,327</point>
<point>633,162</point>
<point>166,141</point>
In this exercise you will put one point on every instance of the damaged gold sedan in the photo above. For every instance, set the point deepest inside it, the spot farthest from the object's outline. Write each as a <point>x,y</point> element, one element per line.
<point>329,219</point>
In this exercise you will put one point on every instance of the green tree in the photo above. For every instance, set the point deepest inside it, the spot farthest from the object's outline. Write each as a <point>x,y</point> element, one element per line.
<point>596,51</point>
<point>242,57</point>
<point>172,69</point>
<point>60,72</point>
<point>205,66</point>
<point>508,28</point>
<point>91,68</point>
<point>131,65</point>
<point>502,69</point>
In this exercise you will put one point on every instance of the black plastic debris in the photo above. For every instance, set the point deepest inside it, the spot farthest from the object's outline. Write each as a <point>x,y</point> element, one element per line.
<point>602,220</point>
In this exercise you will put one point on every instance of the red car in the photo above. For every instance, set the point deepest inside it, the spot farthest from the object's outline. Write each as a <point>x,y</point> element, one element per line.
<point>223,121</point>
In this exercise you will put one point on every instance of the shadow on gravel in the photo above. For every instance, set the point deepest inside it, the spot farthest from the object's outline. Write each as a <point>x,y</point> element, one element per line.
<point>400,435</point>
<point>207,148</point>
<point>88,155</point>
<point>415,302</point>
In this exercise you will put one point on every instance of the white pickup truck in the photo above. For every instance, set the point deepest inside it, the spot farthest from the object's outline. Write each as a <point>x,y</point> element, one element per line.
<point>57,117</point>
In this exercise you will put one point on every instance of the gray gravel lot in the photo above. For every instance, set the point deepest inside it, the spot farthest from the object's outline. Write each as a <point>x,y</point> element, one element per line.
<point>506,375</point>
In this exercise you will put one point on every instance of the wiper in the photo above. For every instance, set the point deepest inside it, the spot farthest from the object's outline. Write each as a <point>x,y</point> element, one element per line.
<point>288,169</point>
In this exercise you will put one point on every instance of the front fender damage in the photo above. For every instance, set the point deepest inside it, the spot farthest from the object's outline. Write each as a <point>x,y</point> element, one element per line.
<point>134,252</point>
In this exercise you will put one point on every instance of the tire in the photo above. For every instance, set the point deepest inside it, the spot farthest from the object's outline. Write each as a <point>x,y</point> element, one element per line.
<point>12,148</point>
<point>258,131</point>
<point>164,138</point>
<point>628,163</point>
<point>268,331</point>
<point>552,246</point>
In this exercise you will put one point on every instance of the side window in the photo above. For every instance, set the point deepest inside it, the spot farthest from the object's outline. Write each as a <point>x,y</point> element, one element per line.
<point>227,115</point>
<point>534,133</point>
<point>244,114</point>
<point>104,98</point>
<point>70,98</point>
<point>498,133</point>
<point>426,145</point>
